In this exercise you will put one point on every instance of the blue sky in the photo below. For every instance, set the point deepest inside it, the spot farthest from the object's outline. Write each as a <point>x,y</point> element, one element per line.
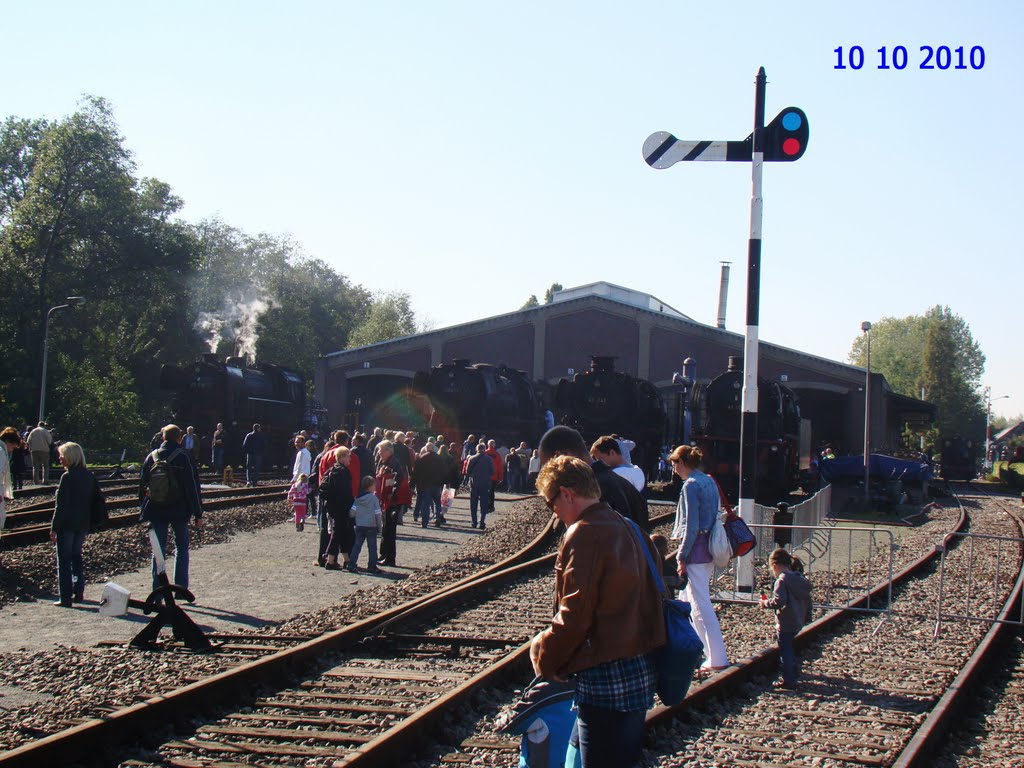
<point>473,153</point>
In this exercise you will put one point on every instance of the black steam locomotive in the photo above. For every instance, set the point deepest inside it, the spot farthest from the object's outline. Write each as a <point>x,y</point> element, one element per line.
<point>238,395</point>
<point>603,401</point>
<point>481,398</point>
<point>959,458</point>
<point>717,408</point>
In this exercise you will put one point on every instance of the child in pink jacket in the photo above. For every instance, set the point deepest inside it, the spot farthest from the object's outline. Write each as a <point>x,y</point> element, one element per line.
<point>297,496</point>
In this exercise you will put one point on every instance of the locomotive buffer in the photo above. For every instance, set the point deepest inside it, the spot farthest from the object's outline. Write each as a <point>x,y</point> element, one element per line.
<point>783,140</point>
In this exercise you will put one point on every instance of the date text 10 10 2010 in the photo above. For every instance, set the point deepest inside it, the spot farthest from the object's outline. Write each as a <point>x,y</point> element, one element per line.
<point>940,57</point>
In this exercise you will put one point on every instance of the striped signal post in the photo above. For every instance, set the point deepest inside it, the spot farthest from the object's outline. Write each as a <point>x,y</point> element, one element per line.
<point>783,140</point>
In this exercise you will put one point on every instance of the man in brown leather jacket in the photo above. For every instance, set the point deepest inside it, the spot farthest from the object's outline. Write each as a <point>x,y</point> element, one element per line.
<point>608,617</point>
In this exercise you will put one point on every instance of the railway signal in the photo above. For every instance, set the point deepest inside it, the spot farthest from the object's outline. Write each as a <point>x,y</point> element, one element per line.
<point>783,140</point>
<point>786,136</point>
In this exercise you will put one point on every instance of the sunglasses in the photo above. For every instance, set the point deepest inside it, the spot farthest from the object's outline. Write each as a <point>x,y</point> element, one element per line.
<point>550,503</point>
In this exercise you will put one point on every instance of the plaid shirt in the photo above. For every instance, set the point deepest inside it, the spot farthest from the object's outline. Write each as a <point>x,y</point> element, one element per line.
<point>625,685</point>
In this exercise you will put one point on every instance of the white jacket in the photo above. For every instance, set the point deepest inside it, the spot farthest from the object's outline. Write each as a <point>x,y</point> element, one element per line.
<point>6,486</point>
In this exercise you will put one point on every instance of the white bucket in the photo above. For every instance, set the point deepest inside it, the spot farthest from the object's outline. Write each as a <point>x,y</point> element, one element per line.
<point>114,601</point>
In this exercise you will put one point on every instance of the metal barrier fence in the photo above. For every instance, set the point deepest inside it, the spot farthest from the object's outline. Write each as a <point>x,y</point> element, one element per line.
<point>807,517</point>
<point>989,565</point>
<point>842,563</point>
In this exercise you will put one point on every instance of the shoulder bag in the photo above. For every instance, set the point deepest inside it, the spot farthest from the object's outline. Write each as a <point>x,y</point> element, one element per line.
<point>678,659</point>
<point>98,516</point>
<point>741,538</point>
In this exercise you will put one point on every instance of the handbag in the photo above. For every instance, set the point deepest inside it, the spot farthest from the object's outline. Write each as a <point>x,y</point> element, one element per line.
<point>719,544</point>
<point>98,516</point>
<point>678,659</point>
<point>741,538</point>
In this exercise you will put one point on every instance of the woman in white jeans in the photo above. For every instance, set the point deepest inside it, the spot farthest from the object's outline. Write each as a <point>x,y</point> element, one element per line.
<point>695,515</point>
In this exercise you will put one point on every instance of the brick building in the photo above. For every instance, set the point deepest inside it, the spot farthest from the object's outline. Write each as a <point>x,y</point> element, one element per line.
<point>650,339</point>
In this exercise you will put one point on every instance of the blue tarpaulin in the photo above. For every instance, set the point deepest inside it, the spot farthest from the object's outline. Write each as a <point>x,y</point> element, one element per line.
<point>882,468</point>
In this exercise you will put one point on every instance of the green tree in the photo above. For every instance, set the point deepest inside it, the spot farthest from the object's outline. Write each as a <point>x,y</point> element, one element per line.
<point>531,302</point>
<point>935,351</point>
<point>102,405</point>
<point>390,316</point>
<point>549,294</point>
<point>76,221</point>
<point>314,311</point>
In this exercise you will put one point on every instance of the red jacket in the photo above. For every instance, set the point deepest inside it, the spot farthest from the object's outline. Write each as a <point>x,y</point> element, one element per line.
<point>499,465</point>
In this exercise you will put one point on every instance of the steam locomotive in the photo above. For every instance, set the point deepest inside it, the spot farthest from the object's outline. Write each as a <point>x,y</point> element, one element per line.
<point>717,406</point>
<point>480,398</point>
<point>959,458</point>
<point>603,401</point>
<point>238,395</point>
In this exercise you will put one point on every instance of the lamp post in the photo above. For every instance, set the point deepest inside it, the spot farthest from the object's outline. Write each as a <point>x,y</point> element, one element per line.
<point>685,382</point>
<point>866,328</point>
<point>72,301</point>
<point>988,420</point>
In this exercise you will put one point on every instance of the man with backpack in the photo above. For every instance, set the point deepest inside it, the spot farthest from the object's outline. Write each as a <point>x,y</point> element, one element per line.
<point>168,497</point>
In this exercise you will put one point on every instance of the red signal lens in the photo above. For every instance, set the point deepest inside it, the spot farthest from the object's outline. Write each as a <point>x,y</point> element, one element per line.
<point>791,146</point>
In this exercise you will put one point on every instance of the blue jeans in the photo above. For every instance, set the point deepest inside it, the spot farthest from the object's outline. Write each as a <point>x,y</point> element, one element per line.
<point>787,657</point>
<point>426,497</point>
<point>180,550</point>
<point>478,496</point>
<point>70,571</point>
<point>218,460</point>
<point>608,738</point>
<point>369,535</point>
<point>253,465</point>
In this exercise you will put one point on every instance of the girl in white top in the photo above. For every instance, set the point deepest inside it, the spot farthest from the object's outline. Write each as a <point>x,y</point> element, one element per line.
<point>9,440</point>
<point>302,459</point>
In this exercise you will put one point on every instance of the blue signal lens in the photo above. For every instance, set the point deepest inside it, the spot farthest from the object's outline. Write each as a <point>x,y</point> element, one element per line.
<point>791,121</point>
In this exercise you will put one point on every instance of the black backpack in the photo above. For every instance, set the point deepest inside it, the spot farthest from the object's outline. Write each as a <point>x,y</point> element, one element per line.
<point>163,485</point>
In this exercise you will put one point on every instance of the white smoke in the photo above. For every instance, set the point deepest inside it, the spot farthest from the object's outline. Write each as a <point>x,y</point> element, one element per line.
<point>236,322</point>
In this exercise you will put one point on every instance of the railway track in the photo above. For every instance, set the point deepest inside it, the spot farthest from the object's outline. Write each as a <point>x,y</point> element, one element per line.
<point>869,686</point>
<point>30,524</point>
<point>872,694</point>
<point>408,631</point>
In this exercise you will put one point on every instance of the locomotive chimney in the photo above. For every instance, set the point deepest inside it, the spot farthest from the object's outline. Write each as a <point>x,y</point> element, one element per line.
<point>723,293</point>
<point>602,363</point>
<point>735,363</point>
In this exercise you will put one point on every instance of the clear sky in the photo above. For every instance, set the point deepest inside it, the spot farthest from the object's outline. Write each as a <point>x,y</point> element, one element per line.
<point>472,153</point>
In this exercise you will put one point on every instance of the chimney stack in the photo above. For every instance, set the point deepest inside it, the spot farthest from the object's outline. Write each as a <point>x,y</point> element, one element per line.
<point>723,293</point>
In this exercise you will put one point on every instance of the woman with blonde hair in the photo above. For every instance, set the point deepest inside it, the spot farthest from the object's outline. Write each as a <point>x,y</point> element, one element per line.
<point>72,515</point>
<point>695,516</point>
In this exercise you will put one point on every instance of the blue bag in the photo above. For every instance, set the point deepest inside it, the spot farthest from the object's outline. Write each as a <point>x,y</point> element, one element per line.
<point>545,717</point>
<point>679,658</point>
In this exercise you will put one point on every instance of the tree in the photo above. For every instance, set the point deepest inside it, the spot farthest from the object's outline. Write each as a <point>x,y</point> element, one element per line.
<point>76,221</point>
<point>531,302</point>
<point>389,317</point>
<point>935,351</point>
<point>549,294</point>
<point>314,312</point>
<point>103,406</point>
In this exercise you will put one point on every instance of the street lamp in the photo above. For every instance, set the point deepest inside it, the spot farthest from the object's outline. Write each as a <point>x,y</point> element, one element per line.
<point>685,381</point>
<point>988,419</point>
<point>866,328</point>
<point>72,301</point>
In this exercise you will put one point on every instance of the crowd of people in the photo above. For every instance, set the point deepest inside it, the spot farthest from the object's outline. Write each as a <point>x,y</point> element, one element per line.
<point>358,488</point>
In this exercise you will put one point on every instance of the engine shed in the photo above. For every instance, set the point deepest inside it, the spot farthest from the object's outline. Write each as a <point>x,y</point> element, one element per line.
<point>371,386</point>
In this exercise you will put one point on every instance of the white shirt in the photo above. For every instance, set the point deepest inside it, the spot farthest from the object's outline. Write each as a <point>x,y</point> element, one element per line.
<point>634,474</point>
<point>302,461</point>
<point>6,486</point>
